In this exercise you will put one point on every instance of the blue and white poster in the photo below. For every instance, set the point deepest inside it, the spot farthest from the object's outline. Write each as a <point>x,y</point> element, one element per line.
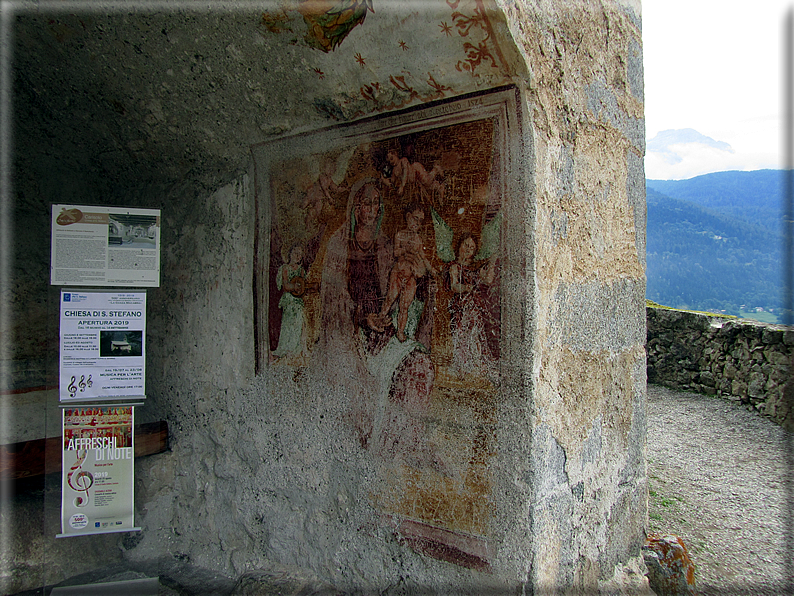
<point>102,345</point>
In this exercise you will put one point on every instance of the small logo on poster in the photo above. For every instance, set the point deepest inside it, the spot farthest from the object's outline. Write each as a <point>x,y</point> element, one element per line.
<point>67,297</point>
<point>96,524</point>
<point>78,521</point>
<point>68,216</point>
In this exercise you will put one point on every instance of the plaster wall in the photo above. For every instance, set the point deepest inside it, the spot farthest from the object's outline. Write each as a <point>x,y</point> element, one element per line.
<point>260,469</point>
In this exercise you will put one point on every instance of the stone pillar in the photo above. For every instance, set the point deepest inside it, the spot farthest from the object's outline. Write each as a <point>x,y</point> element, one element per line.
<point>578,474</point>
<point>544,484</point>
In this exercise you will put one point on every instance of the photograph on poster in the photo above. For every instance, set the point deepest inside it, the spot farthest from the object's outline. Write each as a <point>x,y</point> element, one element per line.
<point>384,270</point>
<point>97,470</point>
<point>120,343</point>
<point>102,345</point>
<point>132,231</point>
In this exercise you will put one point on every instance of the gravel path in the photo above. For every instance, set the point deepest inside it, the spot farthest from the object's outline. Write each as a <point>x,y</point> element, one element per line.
<point>718,479</point>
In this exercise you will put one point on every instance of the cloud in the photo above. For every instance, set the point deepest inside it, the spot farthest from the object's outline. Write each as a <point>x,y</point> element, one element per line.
<point>670,144</point>
<point>686,153</point>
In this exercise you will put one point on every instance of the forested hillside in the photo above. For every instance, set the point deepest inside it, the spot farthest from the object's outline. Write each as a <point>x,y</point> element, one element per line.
<point>703,259</point>
<point>755,197</point>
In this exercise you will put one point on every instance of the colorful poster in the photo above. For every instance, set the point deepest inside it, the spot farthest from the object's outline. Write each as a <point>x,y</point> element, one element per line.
<point>105,246</point>
<point>381,264</point>
<point>97,470</point>
<point>102,345</point>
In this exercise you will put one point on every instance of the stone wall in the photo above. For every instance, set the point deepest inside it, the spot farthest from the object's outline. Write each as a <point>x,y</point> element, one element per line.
<point>737,359</point>
<point>586,464</point>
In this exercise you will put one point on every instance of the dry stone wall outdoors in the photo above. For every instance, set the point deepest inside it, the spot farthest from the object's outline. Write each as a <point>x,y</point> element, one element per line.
<point>738,359</point>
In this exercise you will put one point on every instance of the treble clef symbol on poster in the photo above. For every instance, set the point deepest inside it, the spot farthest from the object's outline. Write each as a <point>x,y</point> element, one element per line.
<point>89,382</point>
<point>81,384</point>
<point>80,481</point>
<point>72,388</point>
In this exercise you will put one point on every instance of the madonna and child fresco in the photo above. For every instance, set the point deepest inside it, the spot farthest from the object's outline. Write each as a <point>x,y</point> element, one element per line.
<point>385,272</point>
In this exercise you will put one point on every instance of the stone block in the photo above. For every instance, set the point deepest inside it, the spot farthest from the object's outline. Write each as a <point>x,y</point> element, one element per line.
<point>771,337</point>
<point>776,357</point>
<point>779,375</point>
<point>670,570</point>
<point>707,378</point>
<point>730,330</point>
<point>729,371</point>
<point>772,387</point>
<point>755,388</point>
<point>739,388</point>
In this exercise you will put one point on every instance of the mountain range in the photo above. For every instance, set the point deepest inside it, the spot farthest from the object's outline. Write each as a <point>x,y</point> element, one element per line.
<point>715,242</point>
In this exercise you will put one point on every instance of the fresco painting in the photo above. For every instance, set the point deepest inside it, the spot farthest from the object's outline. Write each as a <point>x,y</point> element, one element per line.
<point>327,22</point>
<point>384,270</point>
<point>456,38</point>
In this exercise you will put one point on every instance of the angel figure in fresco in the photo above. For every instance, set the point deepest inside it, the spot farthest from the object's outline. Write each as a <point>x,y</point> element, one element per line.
<point>474,306</point>
<point>411,265</point>
<point>410,178</point>
<point>316,197</point>
<point>290,278</point>
<point>330,21</point>
<point>323,192</point>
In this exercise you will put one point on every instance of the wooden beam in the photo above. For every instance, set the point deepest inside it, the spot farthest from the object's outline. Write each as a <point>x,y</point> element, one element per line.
<point>43,456</point>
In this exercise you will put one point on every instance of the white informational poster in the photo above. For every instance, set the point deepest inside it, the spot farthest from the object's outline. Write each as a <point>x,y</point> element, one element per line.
<point>97,470</point>
<point>105,246</point>
<point>103,345</point>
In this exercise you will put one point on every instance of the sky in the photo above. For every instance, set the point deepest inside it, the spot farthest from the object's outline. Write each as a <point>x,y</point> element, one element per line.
<point>715,67</point>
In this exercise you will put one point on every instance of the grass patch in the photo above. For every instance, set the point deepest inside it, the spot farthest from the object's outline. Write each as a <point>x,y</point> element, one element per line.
<point>763,317</point>
<point>652,304</point>
<point>664,514</point>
